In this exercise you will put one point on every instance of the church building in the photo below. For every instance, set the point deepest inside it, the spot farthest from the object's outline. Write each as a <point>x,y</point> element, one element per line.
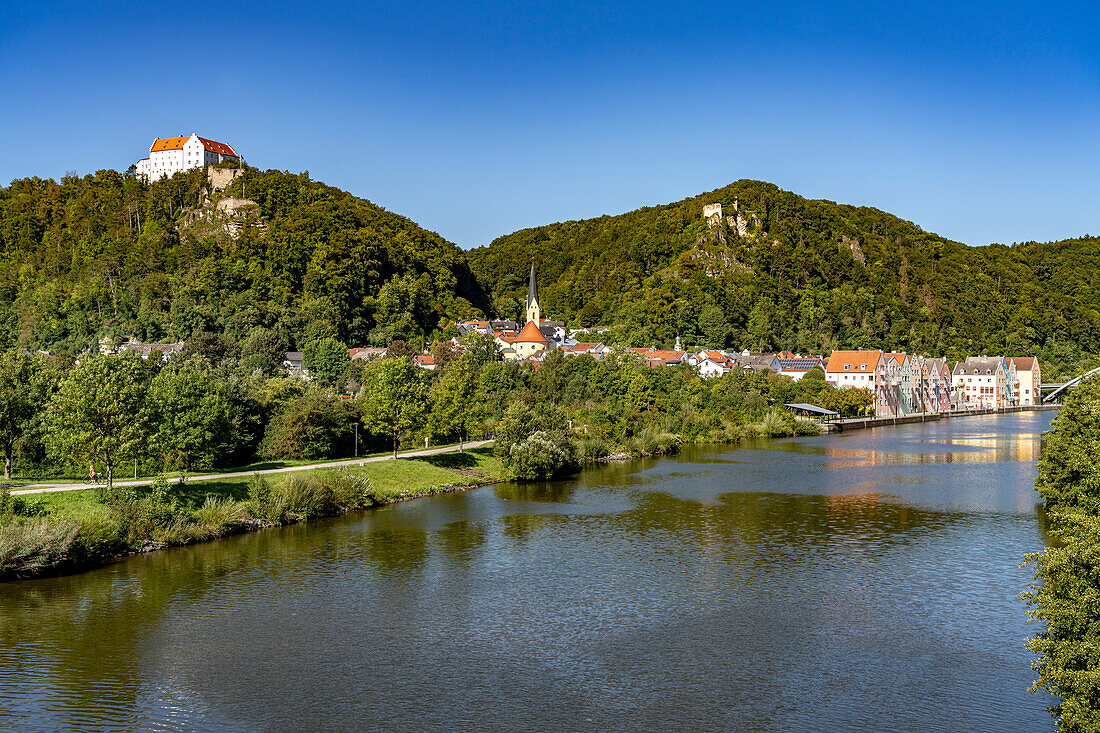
<point>530,341</point>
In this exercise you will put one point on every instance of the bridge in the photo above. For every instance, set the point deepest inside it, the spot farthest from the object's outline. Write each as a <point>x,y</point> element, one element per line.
<point>1057,388</point>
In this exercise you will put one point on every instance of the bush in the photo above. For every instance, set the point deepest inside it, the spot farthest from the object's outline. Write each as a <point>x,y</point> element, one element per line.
<point>221,513</point>
<point>17,506</point>
<point>593,448</point>
<point>776,424</point>
<point>301,496</point>
<point>27,547</point>
<point>141,512</point>
<point>806,426</point>
<point>543,455</point>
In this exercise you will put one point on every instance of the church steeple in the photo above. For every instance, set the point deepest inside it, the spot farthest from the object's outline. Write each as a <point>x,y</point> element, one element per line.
<point>534,310</point>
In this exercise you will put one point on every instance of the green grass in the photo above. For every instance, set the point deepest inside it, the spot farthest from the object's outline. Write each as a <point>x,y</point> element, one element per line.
<point>42,535</point>
<point>123,474</point>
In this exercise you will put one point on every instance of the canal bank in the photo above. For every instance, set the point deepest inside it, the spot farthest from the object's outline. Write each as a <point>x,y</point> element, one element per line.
<point>861,423</point>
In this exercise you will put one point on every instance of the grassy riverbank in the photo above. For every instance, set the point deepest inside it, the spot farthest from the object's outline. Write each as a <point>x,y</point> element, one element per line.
<point>69,530</point>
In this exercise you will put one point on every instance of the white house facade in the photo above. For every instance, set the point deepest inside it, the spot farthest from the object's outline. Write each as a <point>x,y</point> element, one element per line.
<point>171,155</point>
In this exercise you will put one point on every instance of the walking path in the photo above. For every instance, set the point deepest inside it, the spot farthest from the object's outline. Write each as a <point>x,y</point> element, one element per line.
<point>44,489</point>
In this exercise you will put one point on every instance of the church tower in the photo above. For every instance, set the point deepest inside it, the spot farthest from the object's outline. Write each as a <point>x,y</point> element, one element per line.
<point>534,310</point>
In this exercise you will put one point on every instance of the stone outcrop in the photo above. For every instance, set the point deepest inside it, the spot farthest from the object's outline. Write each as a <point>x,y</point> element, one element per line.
<point>853,244</point>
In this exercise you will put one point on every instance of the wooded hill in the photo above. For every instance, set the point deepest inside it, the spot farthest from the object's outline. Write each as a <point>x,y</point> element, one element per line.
<point>107,254</point>
<point>779,271</point>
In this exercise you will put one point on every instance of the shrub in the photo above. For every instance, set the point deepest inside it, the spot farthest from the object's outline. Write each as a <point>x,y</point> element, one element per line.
<point>776,424</point>
<point>310,495</point>
<point>220,513</point>
<point>17,506</point>
<point>542,455</point>
<point>27,547</point>
<point>594,448</point>
<point>806,426</point>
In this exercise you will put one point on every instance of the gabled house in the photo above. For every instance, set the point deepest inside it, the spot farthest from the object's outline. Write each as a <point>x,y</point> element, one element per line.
<point>367,352</point>
<point>796,367</point>
<point>293,363</point>
<point>981,381</point>
<point>861,370</point>
<point>1028,383</point>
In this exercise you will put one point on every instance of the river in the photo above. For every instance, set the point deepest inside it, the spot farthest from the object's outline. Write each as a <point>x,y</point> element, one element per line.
<point>861,581</point>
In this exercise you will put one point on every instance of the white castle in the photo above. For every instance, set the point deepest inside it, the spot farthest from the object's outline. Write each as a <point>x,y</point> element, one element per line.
<point>170,155</point>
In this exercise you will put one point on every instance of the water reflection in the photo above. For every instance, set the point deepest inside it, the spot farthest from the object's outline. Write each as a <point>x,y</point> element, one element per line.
<point>766,588</point>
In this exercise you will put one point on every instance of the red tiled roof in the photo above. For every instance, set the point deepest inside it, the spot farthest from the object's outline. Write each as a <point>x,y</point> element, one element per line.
<point>1023,363</point>
<point>531,334</point>
<point>858,361</point>
<point>176,143</point>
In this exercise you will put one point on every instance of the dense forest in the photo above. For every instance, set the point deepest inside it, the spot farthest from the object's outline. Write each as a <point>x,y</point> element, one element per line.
<point>779,271</point>
<point>107,254</point>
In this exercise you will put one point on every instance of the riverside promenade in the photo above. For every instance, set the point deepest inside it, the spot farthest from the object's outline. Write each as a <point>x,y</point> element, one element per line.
<point>860,423</point>
<point>343,463</point>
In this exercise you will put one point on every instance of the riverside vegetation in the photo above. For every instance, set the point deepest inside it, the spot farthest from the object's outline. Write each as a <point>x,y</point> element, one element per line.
<point>1066,598</point>
<point>212,406</point>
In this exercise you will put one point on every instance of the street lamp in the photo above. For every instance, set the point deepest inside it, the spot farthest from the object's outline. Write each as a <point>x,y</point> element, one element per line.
<point>356,440</point>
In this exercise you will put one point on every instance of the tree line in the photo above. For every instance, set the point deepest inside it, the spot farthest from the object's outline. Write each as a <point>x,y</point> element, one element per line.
<point>218,405</point>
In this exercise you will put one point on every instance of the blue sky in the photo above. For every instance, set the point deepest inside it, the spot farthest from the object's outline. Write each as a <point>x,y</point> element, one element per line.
<point>978,121</point>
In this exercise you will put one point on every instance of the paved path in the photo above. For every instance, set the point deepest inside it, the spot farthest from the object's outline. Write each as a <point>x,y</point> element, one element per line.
<point>47,488</point>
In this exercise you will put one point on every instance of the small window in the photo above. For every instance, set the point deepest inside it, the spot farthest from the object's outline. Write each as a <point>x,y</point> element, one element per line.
<point>846,367</point>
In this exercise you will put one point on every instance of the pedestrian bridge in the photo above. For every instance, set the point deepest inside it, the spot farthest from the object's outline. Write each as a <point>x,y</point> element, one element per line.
<point>1057,388</point>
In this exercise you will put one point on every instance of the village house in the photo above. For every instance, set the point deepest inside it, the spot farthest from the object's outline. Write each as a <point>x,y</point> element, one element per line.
<point>795,366</point>
<point>597,350</point>
<point>293,362</point>
<point>861,370</point>
<point>424,361</point>
<point>366,353</point>
<point>981,382</point>
<point>752,362</point>
<point>1027,387</point>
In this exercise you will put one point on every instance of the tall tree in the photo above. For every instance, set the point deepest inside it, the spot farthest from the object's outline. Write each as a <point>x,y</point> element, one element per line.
<point>327,361</point>
<point>455,408</point>
<point>392,398</point>
<point>98,413</point>
<point>192,416</point>
<point>25,385</point>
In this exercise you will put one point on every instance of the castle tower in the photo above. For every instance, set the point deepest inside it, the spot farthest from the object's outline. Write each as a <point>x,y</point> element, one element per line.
<point>534,310</point>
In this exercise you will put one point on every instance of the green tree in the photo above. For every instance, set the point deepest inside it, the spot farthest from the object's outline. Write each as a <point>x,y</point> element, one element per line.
<point>454,405</point>
<point>315,424</point>
<point>327,361</point>
<point>714,326</point>
<point>1066,598</point>
<point>98,413</point>
<point>192,415</point>
<point>393,399</point>
<point>26,383</point>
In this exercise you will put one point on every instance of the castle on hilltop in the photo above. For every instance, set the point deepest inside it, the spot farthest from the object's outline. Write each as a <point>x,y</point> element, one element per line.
<point>170,155</point>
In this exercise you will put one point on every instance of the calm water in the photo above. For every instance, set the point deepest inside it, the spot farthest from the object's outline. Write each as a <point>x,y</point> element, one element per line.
<point>849,582</point>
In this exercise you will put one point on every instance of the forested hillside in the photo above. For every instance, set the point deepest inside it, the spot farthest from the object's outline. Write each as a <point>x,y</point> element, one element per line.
<point>107,254</point>
<point>781,271</point>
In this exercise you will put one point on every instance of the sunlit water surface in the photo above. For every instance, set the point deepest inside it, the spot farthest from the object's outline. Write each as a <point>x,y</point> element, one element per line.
<point>866,581</point>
